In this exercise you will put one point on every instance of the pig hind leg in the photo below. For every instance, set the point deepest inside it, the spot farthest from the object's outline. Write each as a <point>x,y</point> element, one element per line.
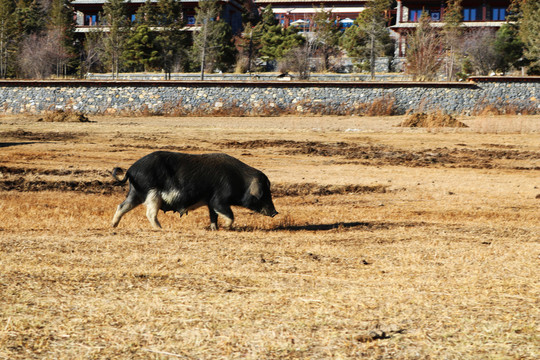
<point>131,202</point>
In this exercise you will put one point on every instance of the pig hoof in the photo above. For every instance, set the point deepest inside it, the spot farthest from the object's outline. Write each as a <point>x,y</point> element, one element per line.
<point>213,227</point>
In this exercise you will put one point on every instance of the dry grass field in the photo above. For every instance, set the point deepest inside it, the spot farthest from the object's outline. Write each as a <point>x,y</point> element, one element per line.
<point>391,243</point>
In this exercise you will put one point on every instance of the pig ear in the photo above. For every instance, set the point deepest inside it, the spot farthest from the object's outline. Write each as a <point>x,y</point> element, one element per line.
<point>255,188</point>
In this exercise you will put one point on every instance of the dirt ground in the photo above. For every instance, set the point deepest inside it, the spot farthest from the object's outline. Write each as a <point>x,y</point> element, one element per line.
<point>391,242</point>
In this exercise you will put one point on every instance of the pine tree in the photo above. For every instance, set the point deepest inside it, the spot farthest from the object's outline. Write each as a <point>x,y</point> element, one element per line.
<point>253,31</point>
<point>509,46</point>
<point>29,17</point>
<point>146,14</point>
<point>140,51</point>
<point>529,30</point>
<point>371,37</point>
<point>249,43</point>
<point>8,37</point>
<point>326,34</point>
<point>276,41</point>
<point>355,42</point>
<point>171,41</point>
<point>268,18</point>
<point>523,21</point>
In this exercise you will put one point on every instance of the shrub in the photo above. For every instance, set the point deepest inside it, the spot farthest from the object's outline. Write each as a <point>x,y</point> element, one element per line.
<point>64,116</point>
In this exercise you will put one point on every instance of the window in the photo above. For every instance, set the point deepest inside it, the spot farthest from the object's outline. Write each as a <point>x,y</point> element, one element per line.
<point>435,16</point>
<point>191,20</point>
<point>469,15</point>
<point>498,14</point>
<point>90,20</point>
<point>414,15</point>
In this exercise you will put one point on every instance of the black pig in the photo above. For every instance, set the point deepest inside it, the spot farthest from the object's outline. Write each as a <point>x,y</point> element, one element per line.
<point>181,182</point>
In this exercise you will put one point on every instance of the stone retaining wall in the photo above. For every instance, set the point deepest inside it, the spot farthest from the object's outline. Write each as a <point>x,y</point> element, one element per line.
<point>263,98</point>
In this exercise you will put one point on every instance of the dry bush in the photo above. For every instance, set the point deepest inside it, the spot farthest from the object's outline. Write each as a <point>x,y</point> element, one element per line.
<point>242,64</point>
<point>146,111</point>
<point>436,119</point>
<point>381,107</point>
<point>503,108</point>
<point>176,110</point>
<point>269,109</point>
<point>487,110</point>
<point>227,109</point>
<point>64,116</point>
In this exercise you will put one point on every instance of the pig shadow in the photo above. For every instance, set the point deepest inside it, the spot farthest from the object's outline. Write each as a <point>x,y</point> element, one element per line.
<point>342,226</point>
<point>325,227</point>
<point>333,226</point>
<point>8,144</point>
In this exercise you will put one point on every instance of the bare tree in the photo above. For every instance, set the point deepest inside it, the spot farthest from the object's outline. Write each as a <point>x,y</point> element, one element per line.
<point>58,54</point>
<point>425,55</point>
<point>93,52</point>
<point>42,55</point>
<point>213,46</point>
<point>115,17</point>
<point>452,32</point>
<point>529,28</point>
<point>479,49</point>
<point>298,60</point>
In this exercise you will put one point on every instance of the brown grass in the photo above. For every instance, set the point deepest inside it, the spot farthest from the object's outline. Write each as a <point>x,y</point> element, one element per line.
<point>391,243</point>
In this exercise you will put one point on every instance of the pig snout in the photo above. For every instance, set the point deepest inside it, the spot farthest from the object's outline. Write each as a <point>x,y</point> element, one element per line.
<point>269,212</point>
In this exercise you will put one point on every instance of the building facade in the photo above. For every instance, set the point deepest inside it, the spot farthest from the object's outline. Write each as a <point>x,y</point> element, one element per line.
<point>88,12</point>
<point>476,14</point>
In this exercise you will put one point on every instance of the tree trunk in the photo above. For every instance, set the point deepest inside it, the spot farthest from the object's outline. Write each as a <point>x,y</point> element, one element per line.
<point>203,55</point>
<point>372,57</point>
